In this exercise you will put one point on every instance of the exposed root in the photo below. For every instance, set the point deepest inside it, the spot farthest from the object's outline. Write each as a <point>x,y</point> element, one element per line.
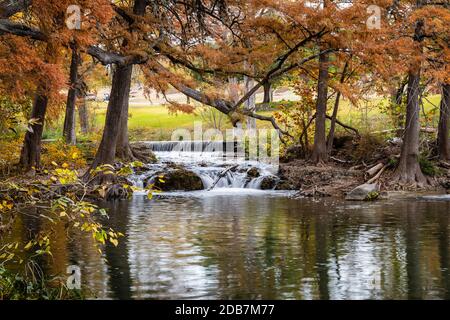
<point>410,180</point>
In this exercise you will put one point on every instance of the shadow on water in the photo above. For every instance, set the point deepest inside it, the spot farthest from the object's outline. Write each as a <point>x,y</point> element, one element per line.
<point>119,275</point>
<point>262,246</point>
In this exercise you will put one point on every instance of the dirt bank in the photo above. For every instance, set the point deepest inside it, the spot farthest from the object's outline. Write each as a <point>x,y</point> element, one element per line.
<point>337,180</point>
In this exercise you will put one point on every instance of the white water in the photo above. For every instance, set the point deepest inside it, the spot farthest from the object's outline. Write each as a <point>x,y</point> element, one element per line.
<point>208,165</point>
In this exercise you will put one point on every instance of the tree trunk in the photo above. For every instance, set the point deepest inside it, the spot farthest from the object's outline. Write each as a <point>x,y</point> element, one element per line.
<point>107,149</point>
<point>83,115</point>
<point>116,122</point>
<point>319,154</point>
<point>333,123</point>
<point>31,150</point>
<point>335,112</point>
<point>444,124</point>
<point>250,103</point>
<point>408,170</point>
<point>123,149</point>
<point>268,93</point>
<point>69,119</point>
<point>396,100</point>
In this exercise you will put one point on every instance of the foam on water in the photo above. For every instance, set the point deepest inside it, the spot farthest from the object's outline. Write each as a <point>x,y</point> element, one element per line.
<point>208,165</point>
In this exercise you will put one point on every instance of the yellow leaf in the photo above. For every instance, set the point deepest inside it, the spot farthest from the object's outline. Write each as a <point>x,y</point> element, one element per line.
<point>114,241</point>
<point>65,165</point>
<point>54,163</point>
<point>62,214</point>
<point>149,195</point>
<point>28,246</point>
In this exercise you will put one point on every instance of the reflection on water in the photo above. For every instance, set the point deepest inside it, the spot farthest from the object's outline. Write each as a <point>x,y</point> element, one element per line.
<point>246,246</point>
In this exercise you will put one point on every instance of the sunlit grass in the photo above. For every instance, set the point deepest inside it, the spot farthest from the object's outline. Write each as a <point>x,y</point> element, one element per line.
<point>157,123</point>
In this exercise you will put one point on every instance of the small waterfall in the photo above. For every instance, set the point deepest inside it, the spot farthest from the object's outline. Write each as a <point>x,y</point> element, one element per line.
<point>191,146</point>
<point>206,159</point>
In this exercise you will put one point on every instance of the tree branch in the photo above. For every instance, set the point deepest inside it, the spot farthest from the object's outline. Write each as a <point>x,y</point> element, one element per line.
<point>18,29</point>
<point>9,8</point>
<point>106,57</point>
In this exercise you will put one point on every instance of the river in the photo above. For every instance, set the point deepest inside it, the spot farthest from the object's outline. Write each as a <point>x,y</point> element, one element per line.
<point>245,243</point>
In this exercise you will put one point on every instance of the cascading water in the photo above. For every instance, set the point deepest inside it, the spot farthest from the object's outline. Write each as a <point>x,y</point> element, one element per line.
<point>208,161</point>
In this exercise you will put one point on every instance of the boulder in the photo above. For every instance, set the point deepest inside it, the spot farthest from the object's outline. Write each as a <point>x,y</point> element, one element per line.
<point>178,180</point>
<point>284,185</point>
<point>253,173</point>
<point>364,192</point>
<point>268,182</point>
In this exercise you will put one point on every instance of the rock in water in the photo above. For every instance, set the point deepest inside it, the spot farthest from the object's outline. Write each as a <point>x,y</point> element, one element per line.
<point>363,192</point>
<point>269,182</point>
<point>178,180</point>
<point>253,173</point>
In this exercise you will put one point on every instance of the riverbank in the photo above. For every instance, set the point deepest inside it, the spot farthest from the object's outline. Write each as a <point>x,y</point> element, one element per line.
<point>338,180</point>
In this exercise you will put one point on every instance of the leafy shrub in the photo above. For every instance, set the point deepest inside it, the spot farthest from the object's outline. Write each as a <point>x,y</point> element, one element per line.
<point>10,154</point>
<point>62,154</point>
<point>428,167</point>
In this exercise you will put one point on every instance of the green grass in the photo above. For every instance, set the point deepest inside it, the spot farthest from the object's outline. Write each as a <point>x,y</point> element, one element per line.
<point>156,123</point>
<point>155,117</point>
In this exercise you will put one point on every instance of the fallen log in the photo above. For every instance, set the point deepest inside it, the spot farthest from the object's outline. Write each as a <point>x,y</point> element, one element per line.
<point>220,176</point>
<point>377,176</point>
<point>372,171</point>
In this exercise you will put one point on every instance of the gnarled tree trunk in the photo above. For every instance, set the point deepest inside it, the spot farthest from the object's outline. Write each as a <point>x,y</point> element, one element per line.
<point>408,170</point>
<point>69,119</point>
<point>319,154</point>
<point>444,124</point>
<point>31,150</point>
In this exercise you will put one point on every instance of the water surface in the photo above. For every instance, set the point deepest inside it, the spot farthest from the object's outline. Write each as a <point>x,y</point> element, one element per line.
<point>251,244</point>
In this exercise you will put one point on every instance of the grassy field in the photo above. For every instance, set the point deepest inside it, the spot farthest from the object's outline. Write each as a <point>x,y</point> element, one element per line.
<point>156,123</point>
